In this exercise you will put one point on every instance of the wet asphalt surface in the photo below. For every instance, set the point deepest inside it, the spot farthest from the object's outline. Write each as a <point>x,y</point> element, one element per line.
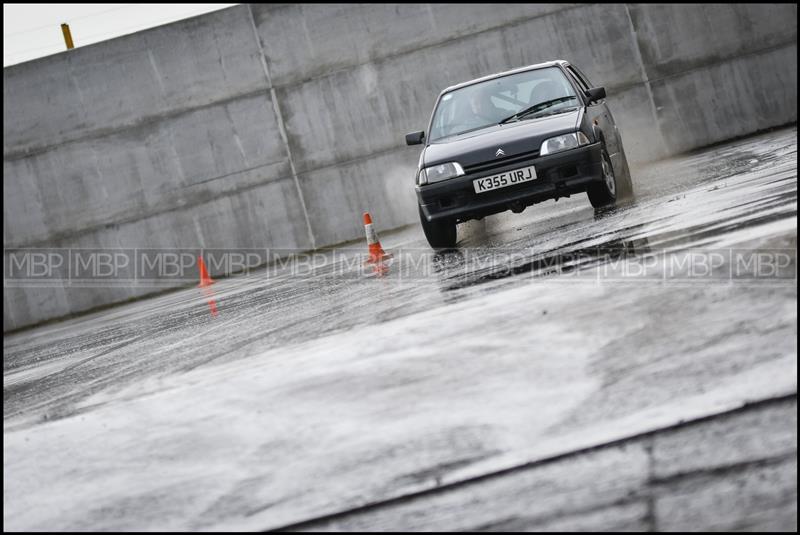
<point>303,391</point>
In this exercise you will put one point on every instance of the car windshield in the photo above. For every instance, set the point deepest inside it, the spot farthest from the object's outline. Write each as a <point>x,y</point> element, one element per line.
<point>535,93</point>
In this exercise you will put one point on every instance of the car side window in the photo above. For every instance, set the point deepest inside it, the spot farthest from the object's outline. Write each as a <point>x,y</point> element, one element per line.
<point>578,79</point>
<point>582,76</point>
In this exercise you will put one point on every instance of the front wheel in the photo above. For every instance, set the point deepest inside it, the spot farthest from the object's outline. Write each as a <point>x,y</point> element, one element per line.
<point>440,234</point>
<point>625,192</point>
<point>604,193</point>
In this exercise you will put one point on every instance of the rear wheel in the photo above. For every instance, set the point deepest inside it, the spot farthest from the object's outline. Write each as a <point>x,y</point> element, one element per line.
<point>440,234</point>
<point>604,193</point>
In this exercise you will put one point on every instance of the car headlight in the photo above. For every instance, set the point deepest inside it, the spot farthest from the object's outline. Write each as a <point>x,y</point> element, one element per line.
<point>437,173</point>
<point>565,142</point>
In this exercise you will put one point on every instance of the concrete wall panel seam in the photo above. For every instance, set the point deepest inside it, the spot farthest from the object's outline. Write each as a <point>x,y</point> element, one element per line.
<point>366,157</point>
<point>722,61</point>
<point>281,126</point>
<point>89,230</point>
<point>638,53</point>
<point>19,154</point>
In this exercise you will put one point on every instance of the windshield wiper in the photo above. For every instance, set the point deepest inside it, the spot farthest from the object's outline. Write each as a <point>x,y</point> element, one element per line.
<point>558,112</point>
<point>536,107</point>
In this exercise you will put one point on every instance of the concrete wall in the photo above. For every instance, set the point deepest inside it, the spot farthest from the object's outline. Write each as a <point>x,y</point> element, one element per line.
<point>275,126</point>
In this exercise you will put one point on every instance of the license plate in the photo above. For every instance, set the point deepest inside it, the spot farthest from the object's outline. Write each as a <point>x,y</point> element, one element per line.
<point>509,178</point>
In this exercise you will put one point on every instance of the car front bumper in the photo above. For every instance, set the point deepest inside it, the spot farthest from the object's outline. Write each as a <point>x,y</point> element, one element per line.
<point>557,175</point>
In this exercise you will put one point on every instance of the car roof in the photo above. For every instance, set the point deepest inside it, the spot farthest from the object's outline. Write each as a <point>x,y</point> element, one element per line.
<point>552,63</point>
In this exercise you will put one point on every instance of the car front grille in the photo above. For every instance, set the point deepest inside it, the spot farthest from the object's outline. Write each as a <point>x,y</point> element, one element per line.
<point>497,164</point>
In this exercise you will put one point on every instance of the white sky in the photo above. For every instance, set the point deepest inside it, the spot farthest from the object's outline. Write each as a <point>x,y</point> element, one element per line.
<point>34,30</point>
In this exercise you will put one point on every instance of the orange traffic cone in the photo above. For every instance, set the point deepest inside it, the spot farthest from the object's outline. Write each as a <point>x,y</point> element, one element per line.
<point>205,279</point>
<point>376,252</point>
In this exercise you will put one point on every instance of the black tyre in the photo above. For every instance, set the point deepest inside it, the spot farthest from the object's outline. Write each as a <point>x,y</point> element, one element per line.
<point>625,183</point>
<point>440,234</point>
<point>604,192</point>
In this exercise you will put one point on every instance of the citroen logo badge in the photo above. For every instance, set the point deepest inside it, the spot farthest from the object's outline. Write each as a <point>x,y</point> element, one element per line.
<point>499,153</point>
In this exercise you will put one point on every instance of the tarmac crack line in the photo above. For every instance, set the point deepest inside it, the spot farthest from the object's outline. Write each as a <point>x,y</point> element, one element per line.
<point>748,406</point>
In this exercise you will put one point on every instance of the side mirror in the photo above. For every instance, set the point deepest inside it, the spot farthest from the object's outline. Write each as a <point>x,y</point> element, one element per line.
<point>596,94</point>
<point>415,138</point>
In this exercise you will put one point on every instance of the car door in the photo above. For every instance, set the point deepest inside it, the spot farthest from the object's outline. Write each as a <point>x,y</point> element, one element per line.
<point>597,112</point>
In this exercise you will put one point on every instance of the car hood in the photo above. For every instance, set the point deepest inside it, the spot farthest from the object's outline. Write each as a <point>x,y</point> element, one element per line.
<point>514,138</point>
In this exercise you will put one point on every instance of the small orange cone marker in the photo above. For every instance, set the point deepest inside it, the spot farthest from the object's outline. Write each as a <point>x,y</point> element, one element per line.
<point>205,279</point>
<point>376,252</point>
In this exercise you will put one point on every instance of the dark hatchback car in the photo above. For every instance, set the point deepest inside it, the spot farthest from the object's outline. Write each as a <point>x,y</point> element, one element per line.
<point>507,141</point>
